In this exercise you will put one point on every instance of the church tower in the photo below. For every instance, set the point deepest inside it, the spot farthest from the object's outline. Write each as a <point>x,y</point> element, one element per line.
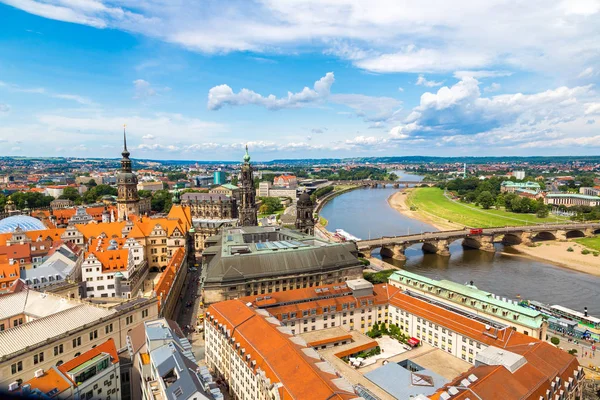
<point>127,194</point>
<point>304,214</point>
<point>248,204</point>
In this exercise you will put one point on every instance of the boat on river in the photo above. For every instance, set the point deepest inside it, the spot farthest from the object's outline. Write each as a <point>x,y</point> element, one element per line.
<point>345,236</point>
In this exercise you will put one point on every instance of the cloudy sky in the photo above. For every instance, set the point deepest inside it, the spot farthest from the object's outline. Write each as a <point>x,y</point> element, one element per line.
<point>299,78</point>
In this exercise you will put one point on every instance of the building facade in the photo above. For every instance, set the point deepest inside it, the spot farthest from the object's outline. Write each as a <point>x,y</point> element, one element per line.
<point>94,374</point>
<point>246,261</point>
<point>571,199</point>
<point>469,298</point>
<point>42,330</point>
<point>210,206</point>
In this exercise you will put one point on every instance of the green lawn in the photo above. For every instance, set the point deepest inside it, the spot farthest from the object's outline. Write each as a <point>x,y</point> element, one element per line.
<point>433,201</point>
<point>593,242</point>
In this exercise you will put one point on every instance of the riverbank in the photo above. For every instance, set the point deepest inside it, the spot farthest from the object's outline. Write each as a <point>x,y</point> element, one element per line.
<point>399,202</point>
<point>556,253</point>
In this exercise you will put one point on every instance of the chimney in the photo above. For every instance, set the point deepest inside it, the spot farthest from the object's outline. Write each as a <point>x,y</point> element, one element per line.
<point>585,311</point>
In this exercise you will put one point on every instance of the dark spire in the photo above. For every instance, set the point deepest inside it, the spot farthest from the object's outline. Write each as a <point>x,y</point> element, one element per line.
<point>125,152</point>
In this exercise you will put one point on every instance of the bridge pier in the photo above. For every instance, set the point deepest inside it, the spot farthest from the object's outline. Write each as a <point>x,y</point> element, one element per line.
<point>589,232</point>
<point>561,235</point>
<point>366,253</point>
<point>526,239</point>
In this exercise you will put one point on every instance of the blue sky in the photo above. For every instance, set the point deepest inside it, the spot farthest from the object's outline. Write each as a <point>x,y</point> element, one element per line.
<point>299,78</point>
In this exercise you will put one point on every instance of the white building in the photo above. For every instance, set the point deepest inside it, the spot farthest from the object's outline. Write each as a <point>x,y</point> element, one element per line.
<point>520,175</point>
<point>114,268</point>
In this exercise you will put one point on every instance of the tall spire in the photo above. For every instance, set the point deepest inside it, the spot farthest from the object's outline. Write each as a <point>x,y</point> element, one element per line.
<point>125,152</point>
<point>124,138</point>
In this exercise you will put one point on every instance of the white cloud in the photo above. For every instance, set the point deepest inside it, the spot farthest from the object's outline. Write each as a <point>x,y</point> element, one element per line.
<point>43,91</point>
<point>494,87</point>
<point>421,81</point>
<point>413,59</point>
<point>4,108</point>
<point>401,89</point>
<point>149,137</point>
<point>592,108</point>
<point>221,95</point>
<point>143,90</point>
<point>586,73</point>
<point>424,36</point>
<point>481,74</point>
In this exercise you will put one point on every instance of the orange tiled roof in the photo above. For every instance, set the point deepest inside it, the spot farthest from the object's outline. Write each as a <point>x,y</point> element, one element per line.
<point>165,281</point>
<point>47,234</point>
<point>50,381</point>
<point>276,355</point>
<point>106,347</point>
<point>17,251</point>
<point>530,382</point>
<point>6,270</point>
<point>382,293</point>
<point>111,260</point>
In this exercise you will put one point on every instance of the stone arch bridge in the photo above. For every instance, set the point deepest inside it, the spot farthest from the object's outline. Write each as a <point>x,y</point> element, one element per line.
<point>439,242</point>
<point>382,184</point>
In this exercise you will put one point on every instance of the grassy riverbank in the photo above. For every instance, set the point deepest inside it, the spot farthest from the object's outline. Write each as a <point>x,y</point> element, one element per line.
<point>592,242</point>
<point>432,201</point>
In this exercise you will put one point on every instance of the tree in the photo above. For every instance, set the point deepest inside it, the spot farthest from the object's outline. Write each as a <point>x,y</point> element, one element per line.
<point>270,205</point>
<point>70,193</point>
<point>572,352</point>
<point>144,193</point>
<point>542,211</point>
<point>95,193</point>
<point>554,340</point>
<point>161,201</point>
<point>91,183</point>
<point>485,200</point>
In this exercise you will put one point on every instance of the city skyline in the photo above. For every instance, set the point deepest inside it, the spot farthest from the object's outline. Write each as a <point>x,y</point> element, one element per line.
<point>296,80</point>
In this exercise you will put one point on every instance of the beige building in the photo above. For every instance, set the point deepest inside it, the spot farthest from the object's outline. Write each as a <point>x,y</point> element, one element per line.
<point>41,330</point>
<point>150,186</point>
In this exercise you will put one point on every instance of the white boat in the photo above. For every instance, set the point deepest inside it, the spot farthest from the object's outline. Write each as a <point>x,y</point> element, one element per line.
<point>346,236</point>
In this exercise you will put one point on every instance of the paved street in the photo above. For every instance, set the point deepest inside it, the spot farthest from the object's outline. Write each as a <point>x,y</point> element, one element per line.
<point>187,312</point>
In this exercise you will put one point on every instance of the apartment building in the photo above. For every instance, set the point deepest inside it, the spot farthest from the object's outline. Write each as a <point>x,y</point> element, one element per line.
<point>353,305</point>
<point>473,300</point>
<point>40,330</point>
<point>261,359</point>
<point>164,366</point>
<point>94,374</point>
<point>571,199</point>
<point>114,268</point>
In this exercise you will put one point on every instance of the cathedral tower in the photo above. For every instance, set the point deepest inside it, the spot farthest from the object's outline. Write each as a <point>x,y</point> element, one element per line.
<point>248,204</point>
<point>304,214</point>
<point>127,194</point>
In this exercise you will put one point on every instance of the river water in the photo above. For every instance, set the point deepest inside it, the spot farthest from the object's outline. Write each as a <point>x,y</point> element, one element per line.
<point>365,213</point>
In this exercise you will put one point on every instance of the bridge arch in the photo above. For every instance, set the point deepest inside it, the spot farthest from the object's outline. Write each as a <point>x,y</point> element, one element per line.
<point>543,236</point>
<point>597,232</point>
<point>510,239</point>
<point>429,248</point>
<point>471,243</point>
<point>576,233</point>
